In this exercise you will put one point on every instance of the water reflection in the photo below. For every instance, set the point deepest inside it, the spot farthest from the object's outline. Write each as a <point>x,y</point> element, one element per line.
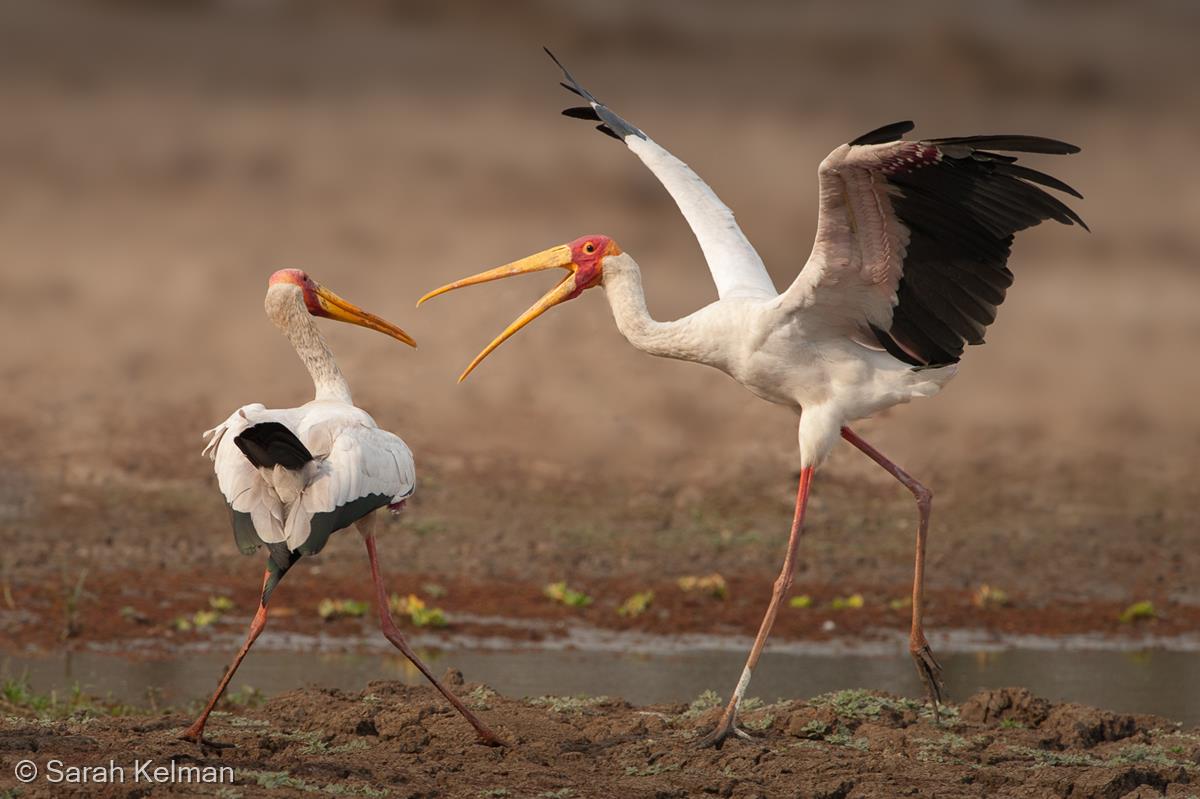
<point>1151,681</point>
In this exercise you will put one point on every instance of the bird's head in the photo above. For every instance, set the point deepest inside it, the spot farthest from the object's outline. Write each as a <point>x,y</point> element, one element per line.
<point>320,301</point>
<point>584,261</point>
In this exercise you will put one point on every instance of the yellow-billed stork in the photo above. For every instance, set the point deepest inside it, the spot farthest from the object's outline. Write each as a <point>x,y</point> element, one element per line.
<point>294,476</point>
<point>909,265</point>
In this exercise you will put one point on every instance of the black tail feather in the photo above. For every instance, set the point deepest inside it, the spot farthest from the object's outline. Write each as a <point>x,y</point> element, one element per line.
<point>271,444</point>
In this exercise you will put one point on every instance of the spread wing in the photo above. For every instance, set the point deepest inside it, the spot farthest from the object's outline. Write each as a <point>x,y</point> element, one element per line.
<point>913,237</point>
<point>736,267</point>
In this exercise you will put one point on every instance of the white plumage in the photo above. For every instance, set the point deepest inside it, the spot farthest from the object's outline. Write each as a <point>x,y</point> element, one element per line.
<point>294,476</point>
<point>353,459</point>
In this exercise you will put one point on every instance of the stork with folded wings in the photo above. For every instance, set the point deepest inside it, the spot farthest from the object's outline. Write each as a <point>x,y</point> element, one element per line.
<point>294,476</point>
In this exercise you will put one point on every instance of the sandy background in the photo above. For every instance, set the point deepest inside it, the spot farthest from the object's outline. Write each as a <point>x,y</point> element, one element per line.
<point>158,161</point>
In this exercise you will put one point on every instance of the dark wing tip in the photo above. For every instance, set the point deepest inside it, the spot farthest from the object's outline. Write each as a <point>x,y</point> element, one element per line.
<point>1012,144</point>
<point>886,134</point>
<point>582,112</point>
<point>611,124</point>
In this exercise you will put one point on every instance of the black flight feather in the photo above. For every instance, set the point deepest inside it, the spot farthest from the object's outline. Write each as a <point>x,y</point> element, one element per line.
<point>1012,144</point>
<point>886,134</point>
<point>271,444</point>
<point>961,206</point>
<point>582,112</point>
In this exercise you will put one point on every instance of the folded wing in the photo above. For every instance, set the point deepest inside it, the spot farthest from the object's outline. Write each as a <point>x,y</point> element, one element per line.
<point>276,495</point>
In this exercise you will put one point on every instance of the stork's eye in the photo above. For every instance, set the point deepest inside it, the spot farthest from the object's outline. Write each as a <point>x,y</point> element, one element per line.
<point>589,248</point>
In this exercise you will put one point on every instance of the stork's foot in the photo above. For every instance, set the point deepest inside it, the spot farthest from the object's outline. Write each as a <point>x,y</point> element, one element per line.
<point>930,672</point>
<point>192,735</point>
<point>489,738</point>
<point>727,727</point>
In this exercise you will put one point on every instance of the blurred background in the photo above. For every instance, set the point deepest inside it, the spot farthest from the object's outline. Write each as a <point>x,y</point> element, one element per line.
<point>158,160</point>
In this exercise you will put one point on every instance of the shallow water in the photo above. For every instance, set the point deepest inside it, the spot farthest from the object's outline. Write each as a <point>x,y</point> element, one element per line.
<point>1151,681</point>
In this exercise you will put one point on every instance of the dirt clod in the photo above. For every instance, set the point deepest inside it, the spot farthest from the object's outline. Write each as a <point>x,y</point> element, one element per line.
<point>1071,725</point>
<point>1017,704</point>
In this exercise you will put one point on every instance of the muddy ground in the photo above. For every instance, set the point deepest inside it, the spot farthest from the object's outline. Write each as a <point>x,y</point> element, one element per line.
<point>390,740</point>
<point>159,160</point>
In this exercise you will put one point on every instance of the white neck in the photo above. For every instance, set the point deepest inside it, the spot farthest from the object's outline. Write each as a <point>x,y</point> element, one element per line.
<point>285,307</point>
<point>623,287</point>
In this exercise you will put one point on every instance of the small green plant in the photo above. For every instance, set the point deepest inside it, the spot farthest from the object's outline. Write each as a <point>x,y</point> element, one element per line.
<point>18,698</point>
<point>434,590</point>
<point>760,723</point>
<point>846,739</point>
<point>560,593</point>
<point>203,618</point>
<point>221,604</point>
<point>420,614</point>
<point>711,584</point>
<point>636,605</point>
<point>329,609</point>
<point>569,704</point>
<point>1138,611</point>
<point>1012,724</point>
<point>480,698</point>
<point>1052,758</point>
<point>246,696</point>
<point>858,703</point>
<point>802,601</point>
<point>132,614</point>
<point>494,792</point>
<point>814,730</point>
<point>703,703</point>
<point>987,596</point>
<point>900,603</point>
<point>852,602</point>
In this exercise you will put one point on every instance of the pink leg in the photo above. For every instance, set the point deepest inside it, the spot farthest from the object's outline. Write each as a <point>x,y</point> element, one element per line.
<point>393,634</point>
<point>728,724</point>
<point>927,666</point>
<point>195,733</point>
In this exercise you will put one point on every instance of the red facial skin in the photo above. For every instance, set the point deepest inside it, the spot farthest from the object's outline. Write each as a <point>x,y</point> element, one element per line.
<point>297,277</point>
<point>588,254</point>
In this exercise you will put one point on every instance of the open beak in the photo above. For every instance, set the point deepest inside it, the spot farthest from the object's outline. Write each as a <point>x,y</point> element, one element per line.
<point>342,310</point>
<point>553,258</point>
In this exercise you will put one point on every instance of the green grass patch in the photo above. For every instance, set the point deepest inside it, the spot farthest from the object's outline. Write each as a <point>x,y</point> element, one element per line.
<point>568,704</point>
<point>330,609</point>
<point>1138,611</point>
<point>636,605</point>
<point>562,594</point>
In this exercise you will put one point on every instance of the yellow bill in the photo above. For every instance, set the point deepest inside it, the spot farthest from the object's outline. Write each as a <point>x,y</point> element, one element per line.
<point>559,257</point>
<point>343,310</point>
